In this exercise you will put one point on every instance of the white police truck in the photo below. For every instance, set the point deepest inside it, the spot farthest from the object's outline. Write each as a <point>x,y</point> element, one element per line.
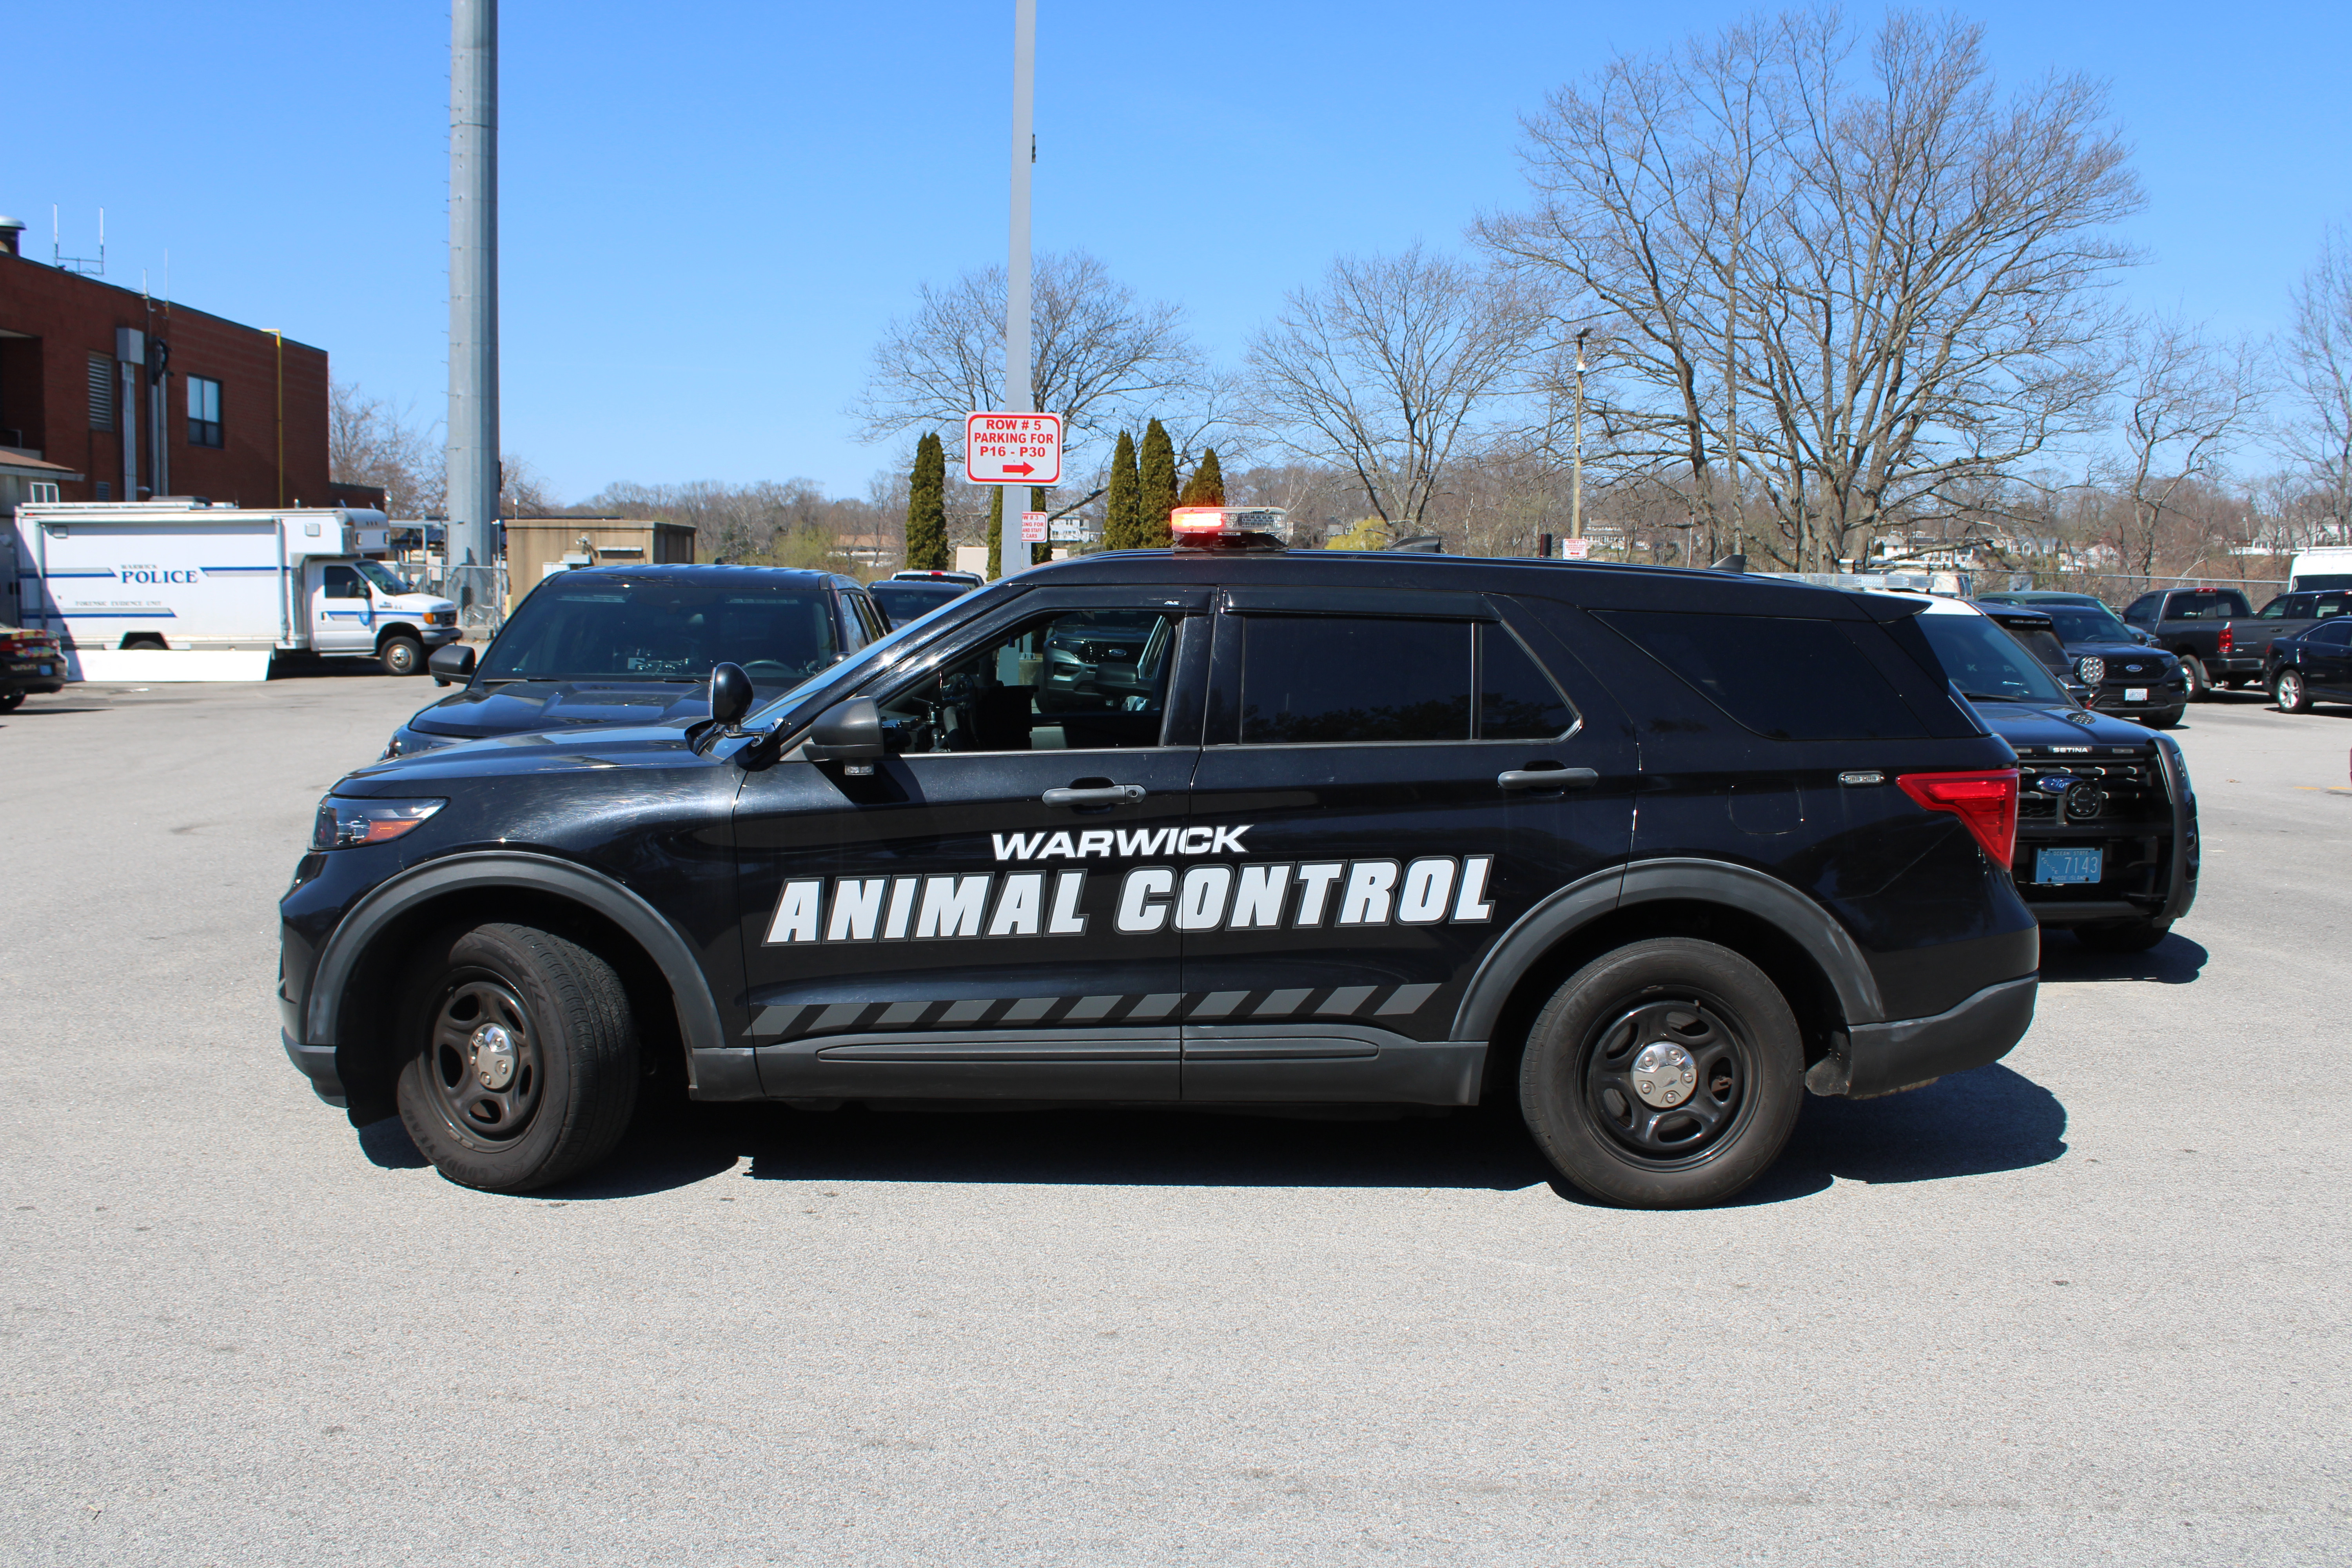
<point>180,590</point>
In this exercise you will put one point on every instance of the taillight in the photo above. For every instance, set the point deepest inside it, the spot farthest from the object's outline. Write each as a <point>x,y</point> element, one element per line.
<point>2229,638</point>
<point>1985,802</point>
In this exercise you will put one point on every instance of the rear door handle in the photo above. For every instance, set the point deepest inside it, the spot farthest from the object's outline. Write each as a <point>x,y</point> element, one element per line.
<point>1547,778</point>
<point>1109,794</point>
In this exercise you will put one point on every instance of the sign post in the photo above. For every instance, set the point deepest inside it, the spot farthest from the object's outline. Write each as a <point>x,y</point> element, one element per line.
<point>1013,448</point>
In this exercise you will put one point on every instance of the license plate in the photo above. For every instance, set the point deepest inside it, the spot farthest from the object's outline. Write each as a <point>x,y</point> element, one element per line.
<point>2135,693</point>
<point>44,669</point>
<point>2066,865</point>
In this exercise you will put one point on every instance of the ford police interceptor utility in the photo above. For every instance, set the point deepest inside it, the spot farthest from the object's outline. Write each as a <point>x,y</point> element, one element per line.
<point>1651,852</point>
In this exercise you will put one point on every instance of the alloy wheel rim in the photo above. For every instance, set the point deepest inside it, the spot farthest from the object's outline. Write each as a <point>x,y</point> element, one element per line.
<point>1668,1079</point>
<point>483,1063</point>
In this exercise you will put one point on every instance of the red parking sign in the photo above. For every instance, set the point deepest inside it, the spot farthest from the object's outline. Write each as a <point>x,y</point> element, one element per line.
<point>1013,448</point>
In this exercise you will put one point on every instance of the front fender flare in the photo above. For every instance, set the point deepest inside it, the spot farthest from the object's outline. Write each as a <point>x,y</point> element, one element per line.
<point>698,1015</point>
<point>1694,881</point>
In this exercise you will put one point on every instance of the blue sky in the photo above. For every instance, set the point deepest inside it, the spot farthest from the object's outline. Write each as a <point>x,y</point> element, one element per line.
<point>709,210</point>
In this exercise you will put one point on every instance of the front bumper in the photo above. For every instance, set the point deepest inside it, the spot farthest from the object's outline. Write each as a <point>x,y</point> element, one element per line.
<point>1879,1058</point>
<point>317,1064</point>
<point>438,637</point>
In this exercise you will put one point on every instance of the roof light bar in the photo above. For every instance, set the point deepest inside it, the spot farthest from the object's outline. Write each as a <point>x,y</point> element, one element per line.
<point>1229,527</point>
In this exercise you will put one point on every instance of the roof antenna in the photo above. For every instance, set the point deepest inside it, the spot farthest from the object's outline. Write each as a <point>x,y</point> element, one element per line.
<point>80,264</point>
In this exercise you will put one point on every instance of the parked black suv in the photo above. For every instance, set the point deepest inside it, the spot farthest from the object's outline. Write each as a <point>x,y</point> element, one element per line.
<point>1314,826</point>
<point>634,645</point>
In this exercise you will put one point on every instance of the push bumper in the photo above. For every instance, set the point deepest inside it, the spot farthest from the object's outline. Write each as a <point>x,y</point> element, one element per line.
<point>1879,1058</point>
<point>318,1065</point>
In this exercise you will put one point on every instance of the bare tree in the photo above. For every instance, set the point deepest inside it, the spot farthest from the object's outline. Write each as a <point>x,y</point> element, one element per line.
<point>2186,402</point>
<point>1097,354</point>
<point>2319,369</point>
<point>1380,369</point>
<point>1871,283</point>
<point>370,442</point>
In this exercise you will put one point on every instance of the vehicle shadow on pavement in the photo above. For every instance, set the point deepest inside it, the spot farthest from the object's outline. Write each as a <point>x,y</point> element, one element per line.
<point>1971,1124</point>
<point>1974,1124</point>
<point>2175,961</point>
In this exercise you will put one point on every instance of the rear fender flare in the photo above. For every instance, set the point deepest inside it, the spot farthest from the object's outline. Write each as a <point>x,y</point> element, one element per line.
<point>1737,887</point>
<point>372,916</point>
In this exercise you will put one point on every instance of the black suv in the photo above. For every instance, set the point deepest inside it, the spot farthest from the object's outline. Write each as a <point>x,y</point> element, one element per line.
<point>1304,826</point>
<point>636,644</point>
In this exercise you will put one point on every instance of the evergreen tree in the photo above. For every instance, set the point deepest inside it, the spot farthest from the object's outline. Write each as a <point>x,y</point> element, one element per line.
<point>995,531</point>
<point>1119,531</point>
<point>1207,485</point>
<point>927,507</point>
<point>1041,552</point>
<point>1155,487</point>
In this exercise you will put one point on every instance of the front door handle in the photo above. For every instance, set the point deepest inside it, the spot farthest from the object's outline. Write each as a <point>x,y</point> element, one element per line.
<point>1108,795</point>
<point>1516,779</point>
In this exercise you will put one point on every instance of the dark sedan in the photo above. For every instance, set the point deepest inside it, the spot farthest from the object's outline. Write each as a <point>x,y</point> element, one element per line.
<point>2312,666</point>
<point>636,644</point>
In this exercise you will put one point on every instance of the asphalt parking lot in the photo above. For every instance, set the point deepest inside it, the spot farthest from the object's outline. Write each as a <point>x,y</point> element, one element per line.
<point>2089,1304</point>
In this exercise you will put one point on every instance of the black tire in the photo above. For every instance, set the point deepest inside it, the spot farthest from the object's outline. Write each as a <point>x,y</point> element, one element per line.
<point>1743,1087</point>
<point>570,1048</point>
<point>2290,691</point>
<point>401,656</point>
<point>2122,936</point>
<point>11,700</point>
<point>2201,686</point>
<point>2166,719</point>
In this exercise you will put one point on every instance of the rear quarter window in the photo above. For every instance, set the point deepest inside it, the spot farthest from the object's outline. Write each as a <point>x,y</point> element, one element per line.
<point>1784,678</point>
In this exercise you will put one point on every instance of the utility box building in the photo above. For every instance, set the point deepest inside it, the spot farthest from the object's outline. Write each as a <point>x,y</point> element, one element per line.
<point>541,547</point>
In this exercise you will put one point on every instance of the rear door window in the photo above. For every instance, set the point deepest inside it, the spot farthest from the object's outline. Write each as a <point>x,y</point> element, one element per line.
<point>1784,678</point>
<point>1336,679</point>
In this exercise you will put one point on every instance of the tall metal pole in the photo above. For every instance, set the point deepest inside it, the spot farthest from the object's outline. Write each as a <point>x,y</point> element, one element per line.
<point>473,444</point>
<point>1576,462</point>
<point>1019,398</point>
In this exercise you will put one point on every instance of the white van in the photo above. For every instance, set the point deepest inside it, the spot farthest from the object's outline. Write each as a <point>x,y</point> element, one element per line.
<point>218,589</point>
<point>2330,566</point>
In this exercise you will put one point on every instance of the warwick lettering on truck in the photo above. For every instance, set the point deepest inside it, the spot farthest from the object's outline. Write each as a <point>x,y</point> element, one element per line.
<point>1223,824</point>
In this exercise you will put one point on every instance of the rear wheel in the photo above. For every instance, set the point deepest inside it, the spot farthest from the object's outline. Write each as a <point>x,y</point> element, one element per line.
<point>2199,686</point>
<point>401,656</point>
<point>11,700</point>
<point>2122,936</point>
<point>520,1056</point>
<point>1664,1075</point>
<point>2289,691</point>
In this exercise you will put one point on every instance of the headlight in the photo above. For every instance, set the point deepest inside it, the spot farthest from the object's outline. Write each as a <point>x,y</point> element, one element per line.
<point>343,822</point>
<point>2091,668</point>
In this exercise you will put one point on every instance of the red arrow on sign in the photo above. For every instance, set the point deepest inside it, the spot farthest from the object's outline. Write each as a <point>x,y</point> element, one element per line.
<point>1020,468</point>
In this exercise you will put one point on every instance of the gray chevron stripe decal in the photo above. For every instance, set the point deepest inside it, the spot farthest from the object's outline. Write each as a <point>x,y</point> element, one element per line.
<point>789,1020</point>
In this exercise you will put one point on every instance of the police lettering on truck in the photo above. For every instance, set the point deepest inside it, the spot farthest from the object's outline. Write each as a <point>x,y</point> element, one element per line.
<point>1206,896</point>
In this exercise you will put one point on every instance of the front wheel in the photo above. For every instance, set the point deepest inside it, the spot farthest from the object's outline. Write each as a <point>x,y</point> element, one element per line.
<point>2166,719</point>
<point>2201,686</point>
<point>1666,1074</point>
<point>2122,936</point>
<point>2289,691</point>
<point>11,700</point>
<point>520,1064</point>
<point>401,656</point>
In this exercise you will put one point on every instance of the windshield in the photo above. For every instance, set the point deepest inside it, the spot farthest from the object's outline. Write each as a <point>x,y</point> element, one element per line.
<point>611,628</point>
<point>1988,664</point>
<point>904,601</point>
<point>2087,623</point>
<point>377,573</point>
<point>873,656</point>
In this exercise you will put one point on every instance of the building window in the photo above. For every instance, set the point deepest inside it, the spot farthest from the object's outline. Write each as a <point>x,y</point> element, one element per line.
<point>204,412</point>
<point>101,391</point>
<point>41,492</point>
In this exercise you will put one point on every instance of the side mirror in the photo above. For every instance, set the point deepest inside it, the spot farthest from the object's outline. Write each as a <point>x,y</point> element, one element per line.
<point>731,696</point>
<point>454,662</point>
<point>846,732</point>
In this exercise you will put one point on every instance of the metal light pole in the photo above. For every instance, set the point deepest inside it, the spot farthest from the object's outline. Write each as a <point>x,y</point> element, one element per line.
<point>1576,462</point>
<point>1021,396</point>
<point>473,446</point>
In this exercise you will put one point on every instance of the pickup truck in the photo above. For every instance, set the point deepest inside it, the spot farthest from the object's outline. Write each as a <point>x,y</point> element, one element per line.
<point>2213,631</point>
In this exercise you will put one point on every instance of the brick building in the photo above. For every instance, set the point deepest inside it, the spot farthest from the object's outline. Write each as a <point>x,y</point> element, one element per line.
<point>84,388</point>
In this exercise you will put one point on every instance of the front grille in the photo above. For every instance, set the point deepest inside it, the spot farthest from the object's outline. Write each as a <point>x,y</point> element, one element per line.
<point>2131,787</point>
